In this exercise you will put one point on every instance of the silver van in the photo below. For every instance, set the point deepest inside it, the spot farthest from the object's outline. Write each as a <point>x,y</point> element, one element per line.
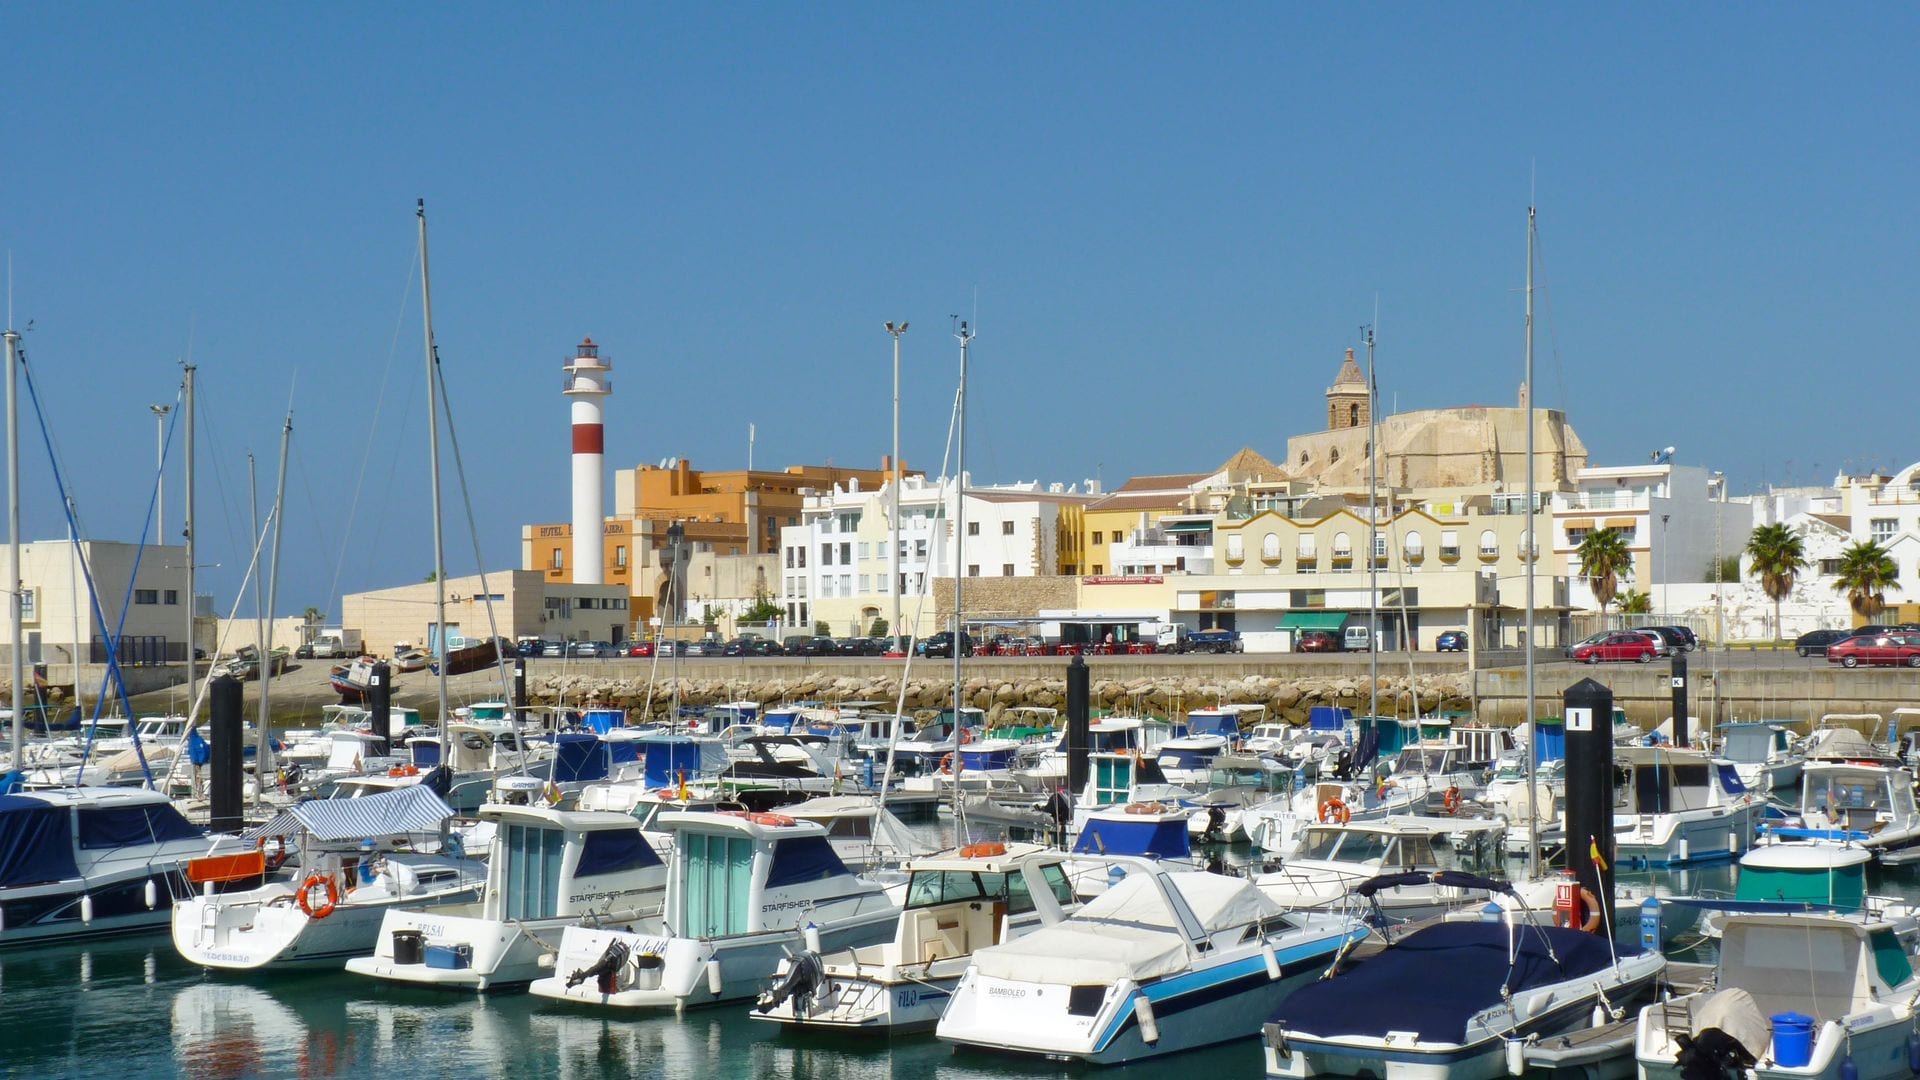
<point>1356,639</point>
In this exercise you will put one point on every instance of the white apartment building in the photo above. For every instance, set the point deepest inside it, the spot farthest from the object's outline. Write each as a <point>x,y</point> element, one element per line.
<point>836,566</point>
<point>1674,517</point>
<point>1886,511</point>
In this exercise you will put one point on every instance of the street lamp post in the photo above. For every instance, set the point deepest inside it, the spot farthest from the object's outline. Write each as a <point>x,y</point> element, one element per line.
<point>1719,592</point>
<point>160,466</point>
<point>893,481</point>
<point>1666,562</point>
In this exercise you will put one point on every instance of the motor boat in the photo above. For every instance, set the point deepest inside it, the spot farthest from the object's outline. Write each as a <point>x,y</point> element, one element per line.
<point>1235,782</point>
<point>1809,995</point>
<point>357,858</point>
<point>745,892</point>
<point>1334,859</point>
<point>546,869</point>
<point>1786,873</point>
<point>1864,802</point>
<point>1488,986</point>
<point>1162,961</point>
<point>1763,754</point>
<point>956,902</point>
<point>1673,807</point>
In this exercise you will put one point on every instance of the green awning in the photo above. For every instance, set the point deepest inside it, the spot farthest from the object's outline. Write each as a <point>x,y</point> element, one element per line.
<point>1187,526</point>
<point>1313,620</point>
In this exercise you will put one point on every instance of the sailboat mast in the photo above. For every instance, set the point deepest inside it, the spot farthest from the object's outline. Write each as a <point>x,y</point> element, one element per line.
<point>959,558</point>
<point>1373,530</point>
<point>262,765</point>
<point>433,460</point>
<point>14,610</point>
<point>1528,557</point>
<point>186,403</point>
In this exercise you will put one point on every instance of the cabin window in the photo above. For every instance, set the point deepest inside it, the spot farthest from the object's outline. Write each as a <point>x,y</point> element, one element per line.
<point>611,850</point>
<point>802,859</point>
<point>124,826</point>
<point>929,888</point>
<point>718,874</point>
<point>1057,881</point>
<point>531,877</point>
<point>1019,896</point>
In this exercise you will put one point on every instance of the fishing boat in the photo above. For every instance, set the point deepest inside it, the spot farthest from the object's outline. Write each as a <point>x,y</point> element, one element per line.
<point>957,902</point>
<point>1799,996</point>
<point>91,862</point>
<point>1162,961</point>
<point>546,870</point>
<point>1788,874</point>
<point>354,864</point>
<point>1673,807</point>
<point>1488,985</point>
<point>745,891</point>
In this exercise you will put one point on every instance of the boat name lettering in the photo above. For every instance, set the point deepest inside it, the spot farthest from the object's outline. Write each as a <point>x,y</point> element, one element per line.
<point>582,898</point>
<point>230,958</point>
<point>784,904</point>
<point>1007,991</point>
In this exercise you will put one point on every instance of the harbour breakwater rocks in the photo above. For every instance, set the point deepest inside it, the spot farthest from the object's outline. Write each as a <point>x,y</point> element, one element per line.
<point>1285,698</point>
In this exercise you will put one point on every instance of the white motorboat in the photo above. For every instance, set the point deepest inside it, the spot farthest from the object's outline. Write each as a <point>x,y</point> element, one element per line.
<point>1673,807</point>
<point>1278,825</point>
<point>1487,986</point>
<point>1236,782</point>
<point>1334,859</point>
<point>957,902</point>
<point>1188,760</point>
<point>1763,754</point>
<point>1163,961</point>
<point>329,905</point>
<point>746,890</point>
<point>546,870</point>
<point>1798,876</point>
<point>1863,802</point>
<point>1800,996</point>
<point>89,862</point>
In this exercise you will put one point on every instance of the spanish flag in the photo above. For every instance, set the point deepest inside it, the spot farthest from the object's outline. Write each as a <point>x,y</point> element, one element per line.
<point>1593,849</point>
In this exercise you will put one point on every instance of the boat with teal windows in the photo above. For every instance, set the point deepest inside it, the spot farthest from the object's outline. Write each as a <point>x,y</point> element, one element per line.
<point>1785,872</point>
<point>1765,753</point>
<point>1122,779</point>
<point>1162,961</point>
<point>957,902</point>
<point>1794,997</point>
<point>1454,1000</point>
<point>1865,801</point>
<point>546,869</point>
<point>1108,735</point>
<point>745,892</point>
<point>1675,807</point>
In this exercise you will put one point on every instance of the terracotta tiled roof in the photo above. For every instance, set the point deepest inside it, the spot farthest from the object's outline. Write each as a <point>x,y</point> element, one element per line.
<point>1249,460</point>
<point>1122,500</point>
<point>1165,482</point>
<point>1350,374</point>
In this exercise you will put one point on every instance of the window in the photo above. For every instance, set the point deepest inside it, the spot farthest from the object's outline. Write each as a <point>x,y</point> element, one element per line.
<point>866,584</point>
<point>559,559</point>
<point>1006,569</point>
<point>864,550</point>
<point>1236,546</point>
<point>1576,537</point>
<point>1342,546</point>
<point>1099,568</point>
<point>973,528</point>
<point>802,564</point>
<point>1270,547</point>
<point>1449,544</point>
<point>171,597</point>
<point>1830,567</point>
<point>1099,537</point>
<point>973,569</point>
<point>1489,543</point>
<point>1415,546</point>
<point>826,554</point>
<point>1884,528</point>
<point>146,596</point>
<point>1353,416</point>
<point>620,555</point>
<point>920,549</point>
<point>846,553</point>
<point>789,558</point>
<point>1006,528</point>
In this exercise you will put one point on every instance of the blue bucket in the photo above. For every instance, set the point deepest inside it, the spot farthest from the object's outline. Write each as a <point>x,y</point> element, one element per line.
<point>1792,1039</point>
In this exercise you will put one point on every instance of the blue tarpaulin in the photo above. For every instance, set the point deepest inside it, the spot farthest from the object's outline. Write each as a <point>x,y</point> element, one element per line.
<point>580,758</point>
<point>1328,718</point>
<point>669,756</point>
<point>123,826</point>
<point>1144,836</point>
<point>36,841</point>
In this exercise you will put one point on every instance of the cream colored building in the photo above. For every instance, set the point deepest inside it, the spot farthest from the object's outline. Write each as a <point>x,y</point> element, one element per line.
<point>511,604</point>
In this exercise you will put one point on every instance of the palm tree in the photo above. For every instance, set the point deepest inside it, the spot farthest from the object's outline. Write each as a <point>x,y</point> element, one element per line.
<point>1866,572</point>
<point>1603,555</point>
<point>1778,556</point>
<point>1635,603</point>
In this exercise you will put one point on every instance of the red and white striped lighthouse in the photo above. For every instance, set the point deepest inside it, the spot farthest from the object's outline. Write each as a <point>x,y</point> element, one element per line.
<point>586,383</point>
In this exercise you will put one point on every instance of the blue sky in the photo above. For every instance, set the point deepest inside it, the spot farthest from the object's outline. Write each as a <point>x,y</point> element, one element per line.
<point>1173,219</point>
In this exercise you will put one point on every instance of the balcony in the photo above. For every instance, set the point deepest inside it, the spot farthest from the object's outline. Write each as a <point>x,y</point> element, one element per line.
<point>1489,554</point>
<point>1234,558</point>
<point>1606,500</point>
<point>1414,554</point>
<point>1272,558</point>
<point>1449,553</point>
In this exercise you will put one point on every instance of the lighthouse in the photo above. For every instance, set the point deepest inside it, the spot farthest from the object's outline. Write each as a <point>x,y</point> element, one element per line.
<point>585,384</point>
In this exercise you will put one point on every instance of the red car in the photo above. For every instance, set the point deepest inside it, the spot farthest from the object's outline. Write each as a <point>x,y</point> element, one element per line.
<point>640,648</point>
<point>1623,645</point>
<point>1317,641</point>
<point>1885,650</point>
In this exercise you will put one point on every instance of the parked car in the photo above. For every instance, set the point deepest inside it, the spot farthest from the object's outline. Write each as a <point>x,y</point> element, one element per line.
<point>641,648</point>
<point>590,649</point>
<point>941,644</point>
<point>703,647</point>
<point>1681,638</point>
<point>750,646</point>
<point>1590,639</point>
<point>1815,642</point>
<point>1668,639</point>
<point>819,646</point>
<point>850,646</point>
<point>796,645</point>
<point>304,651</point>
<point>1215,641</point>
<point>1884,650</point>
<point>553,649</point>
<point>1356,639</point>
<point>1619,645</point>
<point>529,647</point>
<point>1317,641</point>
<point>1451,641</point>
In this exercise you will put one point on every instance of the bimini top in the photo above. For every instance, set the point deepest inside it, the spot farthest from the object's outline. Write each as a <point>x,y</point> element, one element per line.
<point>400,812</point>
<point>1469,959</point>
<point>1127,932</point>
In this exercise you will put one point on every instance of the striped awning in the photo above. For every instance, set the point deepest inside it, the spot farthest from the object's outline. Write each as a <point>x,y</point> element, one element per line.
<point>411,809</point>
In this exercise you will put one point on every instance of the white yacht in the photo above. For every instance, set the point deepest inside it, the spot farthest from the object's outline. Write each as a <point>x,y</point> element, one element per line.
<point>1763,754</point>
<point>1333,859</point>
<point>746,891</point>
<point>1161,962</point>
<point>1862,802</point>
<point>547,869</point>
<point>1673,807</point>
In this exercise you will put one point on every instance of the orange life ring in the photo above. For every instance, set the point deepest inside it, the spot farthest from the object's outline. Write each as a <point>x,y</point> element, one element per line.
<point>983,851</point>
<point>777,820</point>
<point>275,858</point>
<point>1335,812</point>
<point>404,770</point>
<point>305,896</point>
<point>1589,906</point>
<point>946,764</point>
<point>667,793</point>
<point>1453,800</point>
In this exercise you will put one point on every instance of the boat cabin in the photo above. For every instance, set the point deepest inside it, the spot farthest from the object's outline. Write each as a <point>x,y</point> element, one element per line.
<point>548,863</point>
<point>1804,877</point>
<point>1853,964</point>
<point>1213,722</point>
<point>1861,798</point>
<point>1150,830</point>
<point>1115,778</point>
<point>1755,742</point>
<point>737,873</point>
<point>1664,780</point>
<point>1244,772</point>
<point>959,903</point>
<point>1407,843</point>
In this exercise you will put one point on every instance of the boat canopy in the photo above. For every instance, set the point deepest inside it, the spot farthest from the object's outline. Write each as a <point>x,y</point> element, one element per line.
<point>1128,932</point>
<point>414,808</point>
<point>1328,717</point>
<point>579,758</point>
<point>1153,835</point>
<point>36,841</point>
<point>1469,959</point>
<point>1823,967</point>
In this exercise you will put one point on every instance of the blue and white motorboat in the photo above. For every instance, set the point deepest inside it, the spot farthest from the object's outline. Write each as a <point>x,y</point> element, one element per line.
<point>1866,802</point>
<point>1486,985</point>
<point>1675,807</point>
<point>1163,961</point>
<point>1335,859</point>
<point>1763,753</point>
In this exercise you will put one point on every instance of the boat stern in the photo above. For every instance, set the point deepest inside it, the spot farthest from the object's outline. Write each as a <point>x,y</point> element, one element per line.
<point>625,970</point>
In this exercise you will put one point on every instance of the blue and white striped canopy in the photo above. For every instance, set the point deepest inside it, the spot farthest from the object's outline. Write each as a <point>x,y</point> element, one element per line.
<point>410,809</point>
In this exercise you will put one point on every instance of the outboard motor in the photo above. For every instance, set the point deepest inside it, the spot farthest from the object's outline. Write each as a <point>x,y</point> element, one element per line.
<point>1216,820</point>
<point>1343,765</point>
<point>1060,809</point>
<point>606,969</point>
<point>439,781</point>
<point>1712,1055</point>
<point>804,975</point>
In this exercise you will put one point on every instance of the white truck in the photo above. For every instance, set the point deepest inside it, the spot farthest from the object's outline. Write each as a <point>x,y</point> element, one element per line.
<point>335,643</point>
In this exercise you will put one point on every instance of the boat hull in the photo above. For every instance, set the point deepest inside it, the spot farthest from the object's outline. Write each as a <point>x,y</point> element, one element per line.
<point>270,932</point>
<point>504,955</point>
<point>1652,840</point>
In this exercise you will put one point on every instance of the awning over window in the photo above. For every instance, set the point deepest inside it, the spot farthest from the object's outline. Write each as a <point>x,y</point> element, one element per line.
<point>1622,523</point>
<point>1313,620</point>
<point>1579,523</point>
<point>1187,526</point>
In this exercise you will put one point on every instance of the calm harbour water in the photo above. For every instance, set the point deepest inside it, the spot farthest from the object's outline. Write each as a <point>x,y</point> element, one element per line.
<point>133,1008</point>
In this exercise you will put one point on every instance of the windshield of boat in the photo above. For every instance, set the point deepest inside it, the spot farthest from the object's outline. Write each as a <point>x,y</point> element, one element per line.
<point>930,888</point>
<point>1258,779</point>
<point>1342,845</point>
<point>1419,761</point>
<point>1845,789</point>
<point>1512,770</point>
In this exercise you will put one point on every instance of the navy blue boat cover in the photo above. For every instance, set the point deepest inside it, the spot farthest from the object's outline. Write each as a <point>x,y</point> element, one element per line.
<point>1436,979</point>
<point>36,841</point>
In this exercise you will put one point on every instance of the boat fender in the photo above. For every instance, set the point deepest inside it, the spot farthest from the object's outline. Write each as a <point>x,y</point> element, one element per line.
<point>1913,1051</point>
<point>1271,959</point>
<point>86,908</point>
<point>1516,1057</point>
<point>1849,1070</point>
<point>714,979</point>
<point>1149,1028</point>
<point>152,895</point>
<point>811,935</point>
